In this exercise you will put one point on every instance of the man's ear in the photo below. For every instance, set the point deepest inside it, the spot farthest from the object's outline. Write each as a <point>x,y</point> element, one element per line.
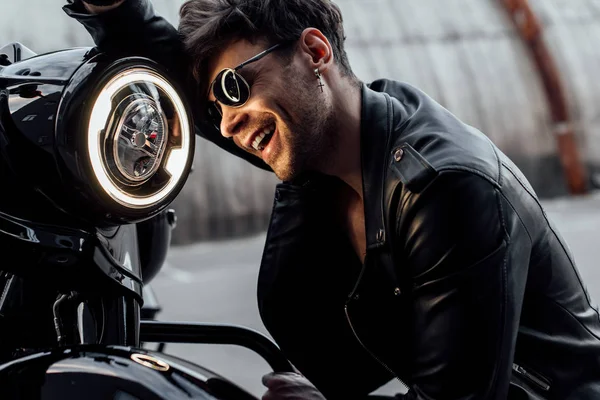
<point>317,48</point>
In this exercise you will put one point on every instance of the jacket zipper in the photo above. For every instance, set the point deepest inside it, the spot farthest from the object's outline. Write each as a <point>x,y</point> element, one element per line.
<point>384,365</point>
<point>532,377</point>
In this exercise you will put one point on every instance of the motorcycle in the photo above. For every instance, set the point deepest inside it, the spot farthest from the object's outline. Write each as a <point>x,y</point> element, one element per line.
<point>93,150</point>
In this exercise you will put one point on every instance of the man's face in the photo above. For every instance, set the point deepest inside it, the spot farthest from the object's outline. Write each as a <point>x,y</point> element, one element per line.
<point>286,119</point>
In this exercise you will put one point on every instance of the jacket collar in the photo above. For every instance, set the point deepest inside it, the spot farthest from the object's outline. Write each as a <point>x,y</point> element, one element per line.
<point>375,134</point>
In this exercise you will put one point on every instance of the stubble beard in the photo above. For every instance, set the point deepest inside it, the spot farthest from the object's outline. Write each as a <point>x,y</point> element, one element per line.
<point>310,142</point>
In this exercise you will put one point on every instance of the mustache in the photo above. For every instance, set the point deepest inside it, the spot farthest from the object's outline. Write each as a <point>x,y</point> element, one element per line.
<point>261,122</point>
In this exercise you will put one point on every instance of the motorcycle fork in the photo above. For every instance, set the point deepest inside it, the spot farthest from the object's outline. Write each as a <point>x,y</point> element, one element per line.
<point>108,320</point>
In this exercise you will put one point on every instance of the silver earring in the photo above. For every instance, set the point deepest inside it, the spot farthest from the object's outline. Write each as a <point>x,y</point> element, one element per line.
<point>318,74</point>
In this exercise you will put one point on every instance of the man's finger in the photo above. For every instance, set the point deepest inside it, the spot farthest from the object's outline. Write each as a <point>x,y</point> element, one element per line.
<point>269,395</point>
<point>274,379</point>
<point>266,379</point>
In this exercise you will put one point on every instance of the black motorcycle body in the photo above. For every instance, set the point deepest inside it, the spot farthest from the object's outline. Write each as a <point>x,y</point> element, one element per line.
<point>112,372</point>
<point>93,149</point>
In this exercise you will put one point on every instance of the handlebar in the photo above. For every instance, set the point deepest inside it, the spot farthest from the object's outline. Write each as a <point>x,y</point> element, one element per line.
<point>187,332</point>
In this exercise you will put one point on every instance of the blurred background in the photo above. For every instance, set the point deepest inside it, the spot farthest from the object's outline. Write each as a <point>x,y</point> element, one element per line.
<point>523,72</point>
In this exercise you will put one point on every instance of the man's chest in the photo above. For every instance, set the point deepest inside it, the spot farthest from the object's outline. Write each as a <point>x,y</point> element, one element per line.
<point>351,220</point>
<point>310,293</point>
<point>311,264</point>
<point>355,228</point>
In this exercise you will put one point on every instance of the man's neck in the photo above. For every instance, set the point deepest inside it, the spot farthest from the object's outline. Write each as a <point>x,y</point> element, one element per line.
<point>345,160</point>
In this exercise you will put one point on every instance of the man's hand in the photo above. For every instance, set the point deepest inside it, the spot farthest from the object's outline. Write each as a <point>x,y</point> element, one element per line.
<point>289,386</point>
<point>97,9</point>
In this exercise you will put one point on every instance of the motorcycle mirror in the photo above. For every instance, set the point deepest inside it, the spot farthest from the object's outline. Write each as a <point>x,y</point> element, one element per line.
<point>14,52</point>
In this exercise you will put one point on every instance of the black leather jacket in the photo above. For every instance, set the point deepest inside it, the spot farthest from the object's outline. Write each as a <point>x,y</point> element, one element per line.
<point>467,290</point>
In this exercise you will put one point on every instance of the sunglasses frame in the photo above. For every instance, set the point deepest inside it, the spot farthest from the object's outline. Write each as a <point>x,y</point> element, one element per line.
<point>214,104</point>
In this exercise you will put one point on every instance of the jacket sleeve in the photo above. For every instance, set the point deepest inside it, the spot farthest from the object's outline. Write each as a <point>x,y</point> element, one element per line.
<point>134,29</point>
<point>465,254</point>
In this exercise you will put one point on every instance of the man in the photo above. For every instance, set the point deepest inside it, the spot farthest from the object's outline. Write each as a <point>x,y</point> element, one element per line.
<point>403,244</point>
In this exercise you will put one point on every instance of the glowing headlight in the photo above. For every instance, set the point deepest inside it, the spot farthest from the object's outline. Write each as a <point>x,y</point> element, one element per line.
<point>137,138</point>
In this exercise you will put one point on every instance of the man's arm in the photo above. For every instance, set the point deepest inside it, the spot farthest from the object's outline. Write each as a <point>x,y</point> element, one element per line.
<point>465,255</point>
<point>132,28</point>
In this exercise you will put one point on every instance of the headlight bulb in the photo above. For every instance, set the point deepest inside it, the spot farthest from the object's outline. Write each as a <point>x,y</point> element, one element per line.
<point>139,141</point>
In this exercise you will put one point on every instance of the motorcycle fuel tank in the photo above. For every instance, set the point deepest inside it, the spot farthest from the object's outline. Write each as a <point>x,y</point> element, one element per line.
<point>113,372</point>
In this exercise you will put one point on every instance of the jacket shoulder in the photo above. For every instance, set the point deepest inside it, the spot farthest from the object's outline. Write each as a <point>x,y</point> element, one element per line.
<point>428,139</point>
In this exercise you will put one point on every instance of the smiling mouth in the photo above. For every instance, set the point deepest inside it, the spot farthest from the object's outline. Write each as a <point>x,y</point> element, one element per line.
<point>262,139</point>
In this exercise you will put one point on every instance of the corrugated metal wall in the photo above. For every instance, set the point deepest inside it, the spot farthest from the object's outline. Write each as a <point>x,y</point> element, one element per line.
<point>464,53</point>
<point>467,55</point>
<point>572,32</point>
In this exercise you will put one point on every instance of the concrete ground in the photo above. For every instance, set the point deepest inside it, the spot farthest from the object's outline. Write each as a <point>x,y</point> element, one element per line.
<point>216,282</point>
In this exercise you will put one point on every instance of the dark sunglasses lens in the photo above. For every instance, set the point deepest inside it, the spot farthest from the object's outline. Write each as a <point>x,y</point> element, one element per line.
<point>215,114</point>
<point>231,89</point>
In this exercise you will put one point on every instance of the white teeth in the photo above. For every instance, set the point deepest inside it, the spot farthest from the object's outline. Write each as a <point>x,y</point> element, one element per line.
<point>261,136</point>
<point>258,139</point>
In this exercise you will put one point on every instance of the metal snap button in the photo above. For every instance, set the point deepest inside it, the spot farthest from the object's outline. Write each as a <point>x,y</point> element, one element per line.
<point>398,155</point>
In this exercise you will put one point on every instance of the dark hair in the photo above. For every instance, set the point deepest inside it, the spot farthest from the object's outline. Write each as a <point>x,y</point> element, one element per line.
<point>208,25</point>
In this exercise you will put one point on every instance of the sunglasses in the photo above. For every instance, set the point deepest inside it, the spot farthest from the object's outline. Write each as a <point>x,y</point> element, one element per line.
<point>231,89</point>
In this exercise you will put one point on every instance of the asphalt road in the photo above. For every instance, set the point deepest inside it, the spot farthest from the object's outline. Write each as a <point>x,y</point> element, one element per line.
<point>216,282</point>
